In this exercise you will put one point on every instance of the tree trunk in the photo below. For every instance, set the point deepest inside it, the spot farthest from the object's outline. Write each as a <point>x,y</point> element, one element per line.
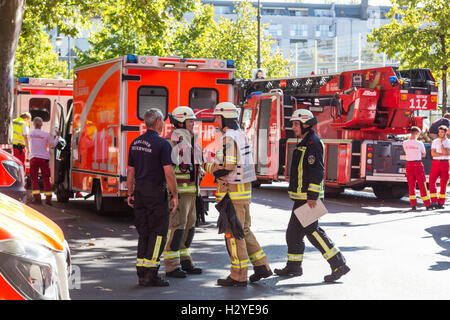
<point>11,15</point>
<point>444,90</point>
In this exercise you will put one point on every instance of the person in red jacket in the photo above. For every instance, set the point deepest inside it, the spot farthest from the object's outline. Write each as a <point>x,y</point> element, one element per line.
<point>440,151</point>
<point>415,172</point>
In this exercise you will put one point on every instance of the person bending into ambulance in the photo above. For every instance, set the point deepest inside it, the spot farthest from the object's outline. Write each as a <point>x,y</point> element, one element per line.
<point>440,151</point>
<point>306,186</point>
<point>234,170</point>
<point>415,172</point>
<point>177,259</point>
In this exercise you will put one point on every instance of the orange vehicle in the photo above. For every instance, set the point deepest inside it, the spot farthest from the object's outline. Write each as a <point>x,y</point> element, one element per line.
<point>110,99</point>
<point>40,97</point>
<point>34,256</point>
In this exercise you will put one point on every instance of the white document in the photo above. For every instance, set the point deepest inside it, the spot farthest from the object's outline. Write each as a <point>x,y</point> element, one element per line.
<point>307,215</point>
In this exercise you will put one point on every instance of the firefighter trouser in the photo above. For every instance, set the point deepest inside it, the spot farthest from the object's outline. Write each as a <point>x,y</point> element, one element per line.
<point>181,232</point>
<point>296,233</point>
<point>151,214</point>
<point>415,173</point>
<point>37,164</point>
<point>246,250</point>
<point>439,169</point>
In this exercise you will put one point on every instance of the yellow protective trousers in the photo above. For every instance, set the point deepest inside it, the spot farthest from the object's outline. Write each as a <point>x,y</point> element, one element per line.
<point>181,232</point>
<point>244,251</point>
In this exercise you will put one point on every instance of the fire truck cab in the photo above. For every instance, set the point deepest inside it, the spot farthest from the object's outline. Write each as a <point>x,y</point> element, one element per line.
<point>110,99</point>
<point>360,113</point>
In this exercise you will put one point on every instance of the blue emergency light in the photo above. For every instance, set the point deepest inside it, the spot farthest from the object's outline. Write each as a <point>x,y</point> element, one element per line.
<point>24,80</point>
<point>393,80</point>
<point>132,58</point>
<point>230,63</point>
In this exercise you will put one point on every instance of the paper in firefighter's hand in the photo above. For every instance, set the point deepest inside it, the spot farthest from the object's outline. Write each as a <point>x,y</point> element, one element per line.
<point>307,215</point>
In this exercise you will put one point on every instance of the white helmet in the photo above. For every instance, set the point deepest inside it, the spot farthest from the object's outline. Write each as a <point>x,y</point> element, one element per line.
<point>304,116</point>
<point>227,110</point>
<point>182,114</point>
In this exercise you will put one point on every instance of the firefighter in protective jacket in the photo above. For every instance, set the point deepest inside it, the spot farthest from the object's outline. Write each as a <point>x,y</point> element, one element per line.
<point>185,156</point>
<point>233,167</point>
<point>306,185</point>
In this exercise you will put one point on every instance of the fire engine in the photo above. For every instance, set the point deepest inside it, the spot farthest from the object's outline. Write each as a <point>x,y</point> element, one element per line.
<point>109,101</point>
<point>360,115</point>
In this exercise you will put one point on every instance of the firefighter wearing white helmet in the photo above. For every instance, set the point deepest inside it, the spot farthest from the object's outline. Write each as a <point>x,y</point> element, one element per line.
<point>185,154</point>
<point>234,169</point>
<point>306,187</point>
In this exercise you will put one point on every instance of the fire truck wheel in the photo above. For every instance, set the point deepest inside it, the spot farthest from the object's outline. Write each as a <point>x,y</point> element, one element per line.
<point>390,191</point>
<point>333,192</point>
<point>100,205</point>
<point>62,195</point>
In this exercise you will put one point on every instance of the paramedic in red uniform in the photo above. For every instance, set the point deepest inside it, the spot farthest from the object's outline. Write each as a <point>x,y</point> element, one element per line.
<point>440,151</point>
<point>39,160</point>
<point>415,172</point>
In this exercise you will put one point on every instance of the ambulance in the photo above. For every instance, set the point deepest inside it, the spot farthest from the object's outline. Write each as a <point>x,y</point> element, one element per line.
<point>40,97</point>
<point>109,102</point>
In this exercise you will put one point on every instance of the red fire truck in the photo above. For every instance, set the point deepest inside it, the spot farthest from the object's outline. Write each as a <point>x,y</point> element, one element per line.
<point>360,113</point>
<point>110,99</point>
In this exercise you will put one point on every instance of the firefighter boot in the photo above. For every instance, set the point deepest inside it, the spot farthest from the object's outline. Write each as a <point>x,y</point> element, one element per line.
<point>189,268</point>
<point>151,279</point>
<point>176,273</point>
<point>292,269</point>
<point>260,272</point>
<point>337,273</point>
<point>228,282</point>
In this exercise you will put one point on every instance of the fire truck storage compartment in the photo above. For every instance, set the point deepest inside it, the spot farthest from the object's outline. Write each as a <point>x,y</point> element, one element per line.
<point>386,157</point>
<point>338,160</point>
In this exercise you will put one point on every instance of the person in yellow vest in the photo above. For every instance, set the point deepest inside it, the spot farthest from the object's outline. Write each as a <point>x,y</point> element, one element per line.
<point>21,132</point>
<point>234,169</point>
<point>185,155</point>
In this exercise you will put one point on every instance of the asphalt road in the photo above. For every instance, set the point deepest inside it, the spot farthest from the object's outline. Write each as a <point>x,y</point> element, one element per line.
<point>393,253</point>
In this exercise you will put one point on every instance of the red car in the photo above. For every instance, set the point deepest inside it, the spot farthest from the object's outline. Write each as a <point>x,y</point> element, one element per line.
<point>12,181</point>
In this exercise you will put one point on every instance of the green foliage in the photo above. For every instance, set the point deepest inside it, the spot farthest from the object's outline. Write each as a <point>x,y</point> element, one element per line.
<point>421,38</point>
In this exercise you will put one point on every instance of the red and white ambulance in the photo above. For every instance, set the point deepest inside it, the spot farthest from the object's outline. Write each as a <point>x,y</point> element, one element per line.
<point>110,99</point>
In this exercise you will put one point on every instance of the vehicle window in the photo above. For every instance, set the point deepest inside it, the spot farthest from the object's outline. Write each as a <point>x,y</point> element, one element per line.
<point>152,97</point>
<point>40,107</point>
<point>246,118</point>
<point>203,101</point>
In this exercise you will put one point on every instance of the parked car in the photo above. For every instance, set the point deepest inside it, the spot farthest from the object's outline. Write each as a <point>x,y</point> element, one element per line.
<point>34,256</point>
<point>12,181</point>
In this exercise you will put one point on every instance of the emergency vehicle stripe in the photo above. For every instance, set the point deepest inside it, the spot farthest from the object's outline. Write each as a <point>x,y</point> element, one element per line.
<point>295,257</point>
<point>257,256</point>
<point>95,90</point>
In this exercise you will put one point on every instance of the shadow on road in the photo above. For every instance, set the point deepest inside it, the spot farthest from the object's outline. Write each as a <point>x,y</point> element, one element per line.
<point>441,234</point>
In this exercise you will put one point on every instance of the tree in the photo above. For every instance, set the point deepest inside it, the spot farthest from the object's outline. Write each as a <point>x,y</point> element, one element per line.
<point>134,26</point>
<point>420,39</point>
<point>229,39</point>
<point>65,15</point>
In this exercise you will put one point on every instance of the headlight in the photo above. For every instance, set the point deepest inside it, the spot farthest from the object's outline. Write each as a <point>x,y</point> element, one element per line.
<point>30,268</point>
<point>14,169</point>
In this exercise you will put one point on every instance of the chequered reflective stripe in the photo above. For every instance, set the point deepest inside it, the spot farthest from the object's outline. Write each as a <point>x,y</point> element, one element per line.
<point>295,257</point>
<point>257,256</point>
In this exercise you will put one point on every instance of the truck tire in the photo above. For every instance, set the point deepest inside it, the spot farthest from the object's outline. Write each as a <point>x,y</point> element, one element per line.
<point>62,191</point>
<point>390,191</point>
<point>333,192</point>
<point>99,200</point>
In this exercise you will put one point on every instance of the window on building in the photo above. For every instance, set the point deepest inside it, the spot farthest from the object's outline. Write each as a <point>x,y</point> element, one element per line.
<point>40,107</point>
<point>322,13</point>
<point>223,9</point>
<point>298,12</point>
<point>273,11</point>
<point>275,30</point>
<point>152,97</point>
<point>324,30</point>
<point>299,30</point>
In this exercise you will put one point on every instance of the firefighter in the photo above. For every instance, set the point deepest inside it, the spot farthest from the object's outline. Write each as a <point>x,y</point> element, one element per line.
<point>21,131</point>
<point>306,186</point>
<point>39,160</point>
<point>149,169</point>
<point>177,259</point>
<point>415,172</point>
<point>440,151</point>
<point>233,167</point>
